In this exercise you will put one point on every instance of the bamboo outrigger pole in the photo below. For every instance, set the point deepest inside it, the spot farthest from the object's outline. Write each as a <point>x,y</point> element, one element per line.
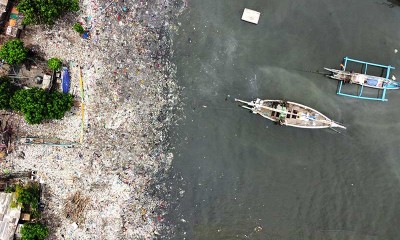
<point>82,105</point>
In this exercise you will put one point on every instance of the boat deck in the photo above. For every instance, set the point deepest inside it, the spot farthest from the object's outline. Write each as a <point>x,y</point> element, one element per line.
<point>361,79</point>
<point>292,115</point>
<point>364,79</point>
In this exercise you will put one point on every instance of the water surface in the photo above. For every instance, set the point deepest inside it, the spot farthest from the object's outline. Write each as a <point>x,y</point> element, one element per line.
<point>246,178</point>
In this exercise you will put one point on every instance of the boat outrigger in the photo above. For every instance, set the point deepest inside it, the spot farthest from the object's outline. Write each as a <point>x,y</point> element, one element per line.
<point>364,80</point>
<point>290,114</point>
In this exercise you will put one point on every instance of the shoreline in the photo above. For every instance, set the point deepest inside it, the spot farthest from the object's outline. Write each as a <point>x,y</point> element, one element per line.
<point>130,92</point>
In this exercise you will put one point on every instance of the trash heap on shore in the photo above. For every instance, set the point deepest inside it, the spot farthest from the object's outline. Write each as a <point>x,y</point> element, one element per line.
<point>129,92</point>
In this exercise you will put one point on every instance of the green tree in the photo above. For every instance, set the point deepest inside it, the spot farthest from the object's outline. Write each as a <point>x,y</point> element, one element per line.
<point>60,103</point>
<point>7,90</point>
<point>54,63</point>
<point>45,11</point>
<point>32,103</point>
<point>14,52</point>
<point>78,27</point>
<point>28,195</point>
<point>34,231</point>
<point>37,105</point>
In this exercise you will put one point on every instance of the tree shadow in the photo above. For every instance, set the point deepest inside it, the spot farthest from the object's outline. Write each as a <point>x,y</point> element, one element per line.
<point>49,216</point>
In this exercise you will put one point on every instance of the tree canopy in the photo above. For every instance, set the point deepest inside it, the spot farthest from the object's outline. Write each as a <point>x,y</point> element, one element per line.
<point>54,63</point>
<point>28,195</point>
<point>37,105</point>
<point>45,11</point>
<point>78,27</point>
<point>7,90</point>
<point>13,52</point>
<point>34,231</point>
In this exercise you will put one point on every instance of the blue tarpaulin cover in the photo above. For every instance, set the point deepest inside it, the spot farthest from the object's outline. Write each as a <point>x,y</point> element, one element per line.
<point>372,81</point>
<point>65,80</point>
<point>85,35</point>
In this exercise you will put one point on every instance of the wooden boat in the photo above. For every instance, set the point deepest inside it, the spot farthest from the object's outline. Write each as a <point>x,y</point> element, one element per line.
<point>380,84</point>
<point>46,141</point>
<point>363,79</point>
<point>290,114</point>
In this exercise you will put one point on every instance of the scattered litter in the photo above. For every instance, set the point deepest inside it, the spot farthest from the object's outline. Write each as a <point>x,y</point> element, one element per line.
<point>251,16</point>
<point>129,87</point>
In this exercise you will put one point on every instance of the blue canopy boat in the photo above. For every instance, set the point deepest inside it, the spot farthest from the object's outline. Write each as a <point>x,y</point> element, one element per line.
<point>364,80</point>
<point>65,80</point>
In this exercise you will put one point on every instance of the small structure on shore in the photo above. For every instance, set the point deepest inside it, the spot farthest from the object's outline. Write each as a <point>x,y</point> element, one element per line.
<point>35,74</point>
<point>251,16</point>
<point>14,24</point>
<point>9,216</point>
<point>47,82</point>
<point>12,213</point>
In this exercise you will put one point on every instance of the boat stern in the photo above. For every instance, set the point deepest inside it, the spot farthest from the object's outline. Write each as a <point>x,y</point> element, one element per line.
<point>248,105</point>
<point>337,125</point>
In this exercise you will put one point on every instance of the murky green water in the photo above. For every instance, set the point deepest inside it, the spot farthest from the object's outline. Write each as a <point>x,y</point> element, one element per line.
<point>246,178</point>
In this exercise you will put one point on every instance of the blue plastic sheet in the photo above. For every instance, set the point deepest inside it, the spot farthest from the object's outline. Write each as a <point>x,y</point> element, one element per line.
<point>372,81</point>
<point>85,35</point>
<point>65,80</point>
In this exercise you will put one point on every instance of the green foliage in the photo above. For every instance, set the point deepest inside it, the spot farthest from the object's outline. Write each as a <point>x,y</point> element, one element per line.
<point>60,103</point>
<point>14,52</point>
<point>13,204</point>
<point>32,103</point>
<point>10,189</point>
<point>38,105</point>
<point>28,195</point>
<point>45,11</point>
<point>7,90</point>
<point>35,213</point>
<point>78,27</point>
<point>34,231</point>
<point>54,63</point>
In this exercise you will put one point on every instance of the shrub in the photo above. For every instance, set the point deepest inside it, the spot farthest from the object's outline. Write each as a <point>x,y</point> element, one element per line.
<point>14,52</point>
<point>10,189</point>
<point>45,12</point>
<point>78,27</point>
<point>13,204</point>
<point>34,231</point>
<point>54,63</point>
<point>28,195</point>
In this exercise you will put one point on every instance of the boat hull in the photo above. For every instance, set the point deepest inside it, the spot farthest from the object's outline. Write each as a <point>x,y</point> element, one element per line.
<point>290,114</point>
<point>363,79</point>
